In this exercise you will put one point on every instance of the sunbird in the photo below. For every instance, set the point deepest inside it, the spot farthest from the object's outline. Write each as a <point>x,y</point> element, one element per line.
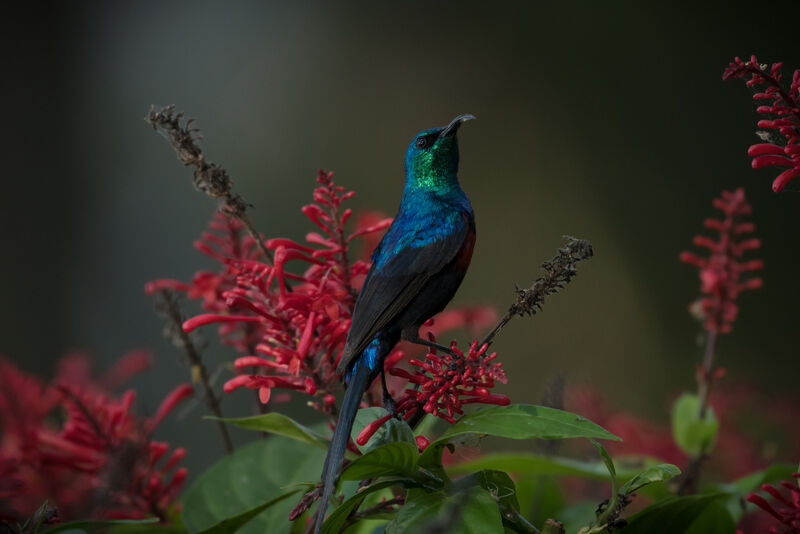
<point>416,269</point>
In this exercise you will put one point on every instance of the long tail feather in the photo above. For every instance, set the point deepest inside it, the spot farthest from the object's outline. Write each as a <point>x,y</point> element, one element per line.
<point>359,382</point>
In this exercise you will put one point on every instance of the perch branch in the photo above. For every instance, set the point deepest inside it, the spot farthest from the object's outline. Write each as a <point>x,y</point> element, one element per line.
<point>209,178</point>
<point>167,307</point>
<point>558,273</point>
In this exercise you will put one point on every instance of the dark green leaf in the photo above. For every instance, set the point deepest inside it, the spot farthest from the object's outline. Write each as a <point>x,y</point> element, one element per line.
<point>676,515</point>
<point>609,463</point>
<point>391,431</point>
<point>398,458</point>
<point>92,526</point>
<point>277,423</point>
<point>715,519</point>
<point>504,492</point>
<point>497,483</point>
<point>251,476</point>
<point>427,425</point>
<point>540,498</point>
<point>471,511</point>
<point>333,524</point>
<point>525,421</point>
<point>545,466</point>
<point>656,473</point>
<point>577,515</point>
<point>517,421</point>
<point>752,482</point>
<point>603,516</point>
<point>692,434</point>
<point>534,464</point>
<point>233,524</point>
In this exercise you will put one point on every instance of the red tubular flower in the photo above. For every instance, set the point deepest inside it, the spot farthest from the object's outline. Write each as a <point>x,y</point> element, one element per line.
<point>289,315</point>
<point>721,273</point>
<point>785,507</point>
<point>781,125</point>
<point>101,461</point>
<point>441,382</point>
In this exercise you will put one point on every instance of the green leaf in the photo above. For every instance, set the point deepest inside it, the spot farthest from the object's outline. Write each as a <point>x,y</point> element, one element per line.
<point>602,517</point>
<point>693,435</point>
<point>540,498</point>
<point>609,463</point>
<point>334,523</point>
<point>277,423</point>
<point>391,431</point>
<point>535,464</point>
<point>677,515</point>
<point>497,483</point>
<point>577,515</point>
<point>398,458</point>
<point>516,421</point>
<point>253,475</point>
<point>525,421</point>
<point>233,524</point>
<point>752,482</point>
<point>471,511</point>
<point>656,473</point>
<point>94,525</point>
<point>426,425</point>
<point>715,519</point>
<point>504,492</point>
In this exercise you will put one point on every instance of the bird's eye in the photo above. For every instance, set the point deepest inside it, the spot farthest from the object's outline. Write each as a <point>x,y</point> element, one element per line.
<point>422,142</point>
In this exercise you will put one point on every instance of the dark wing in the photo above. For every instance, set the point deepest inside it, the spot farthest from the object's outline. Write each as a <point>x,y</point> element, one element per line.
<point>389,289</point>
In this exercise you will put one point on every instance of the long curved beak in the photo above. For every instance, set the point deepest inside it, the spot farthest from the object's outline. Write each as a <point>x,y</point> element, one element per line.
<point>451,128</point>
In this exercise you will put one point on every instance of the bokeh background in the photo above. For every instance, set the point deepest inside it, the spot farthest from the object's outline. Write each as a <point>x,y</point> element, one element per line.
<point>605,121</point>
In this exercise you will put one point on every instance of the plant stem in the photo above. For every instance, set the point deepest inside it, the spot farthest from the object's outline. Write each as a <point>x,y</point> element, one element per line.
<point>167,307</point>
<point>691,475</point>
<point>209,178</point>
<point>706,377</point>
<point>558,272</point>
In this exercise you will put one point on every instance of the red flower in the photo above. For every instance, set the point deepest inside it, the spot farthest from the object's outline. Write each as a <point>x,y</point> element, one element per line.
<point>101,461</point>
<point>721,273</point>
<point>443,384</point>
<point>785,507</point>
<point>227,242</point>
<point>782,122</point>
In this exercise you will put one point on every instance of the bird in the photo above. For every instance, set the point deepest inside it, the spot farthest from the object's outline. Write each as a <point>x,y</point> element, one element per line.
<point>416,270</point>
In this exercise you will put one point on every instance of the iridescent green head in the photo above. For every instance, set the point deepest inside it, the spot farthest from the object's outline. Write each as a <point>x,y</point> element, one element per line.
<point>432,156</point>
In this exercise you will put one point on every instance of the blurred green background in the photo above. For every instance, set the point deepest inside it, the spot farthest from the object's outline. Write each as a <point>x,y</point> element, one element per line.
<point>607,121</point>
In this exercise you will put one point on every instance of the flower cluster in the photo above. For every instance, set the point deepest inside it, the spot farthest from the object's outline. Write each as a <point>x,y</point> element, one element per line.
<point>442,380</point>
<point>289,314</point>
<point>227,242</point>
<point>786,508</point>
<point>721,273</point>
<point>781,125</point>
<point>443,384</point>
<point>100,461</point>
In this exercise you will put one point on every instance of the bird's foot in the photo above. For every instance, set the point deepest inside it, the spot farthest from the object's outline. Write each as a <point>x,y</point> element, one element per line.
<point>415,339</point>
<point>391,406</point>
